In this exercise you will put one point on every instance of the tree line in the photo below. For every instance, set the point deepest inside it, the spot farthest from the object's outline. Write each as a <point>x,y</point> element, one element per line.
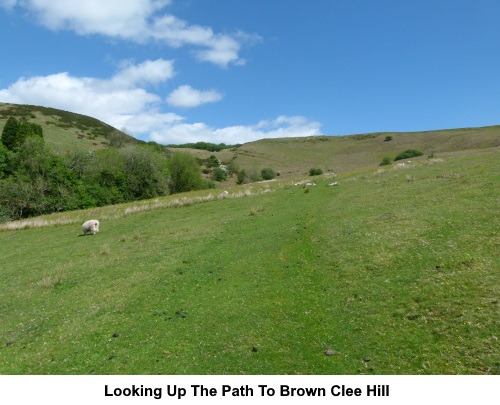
<point>209,146</point>
<point>36,181</point>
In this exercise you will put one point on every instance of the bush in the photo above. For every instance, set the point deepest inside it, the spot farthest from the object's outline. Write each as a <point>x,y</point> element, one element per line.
<point>254,175</point>
<point>185,173</point>
<point>388,138</point>
<point>409,153</point>
<point>385,161</point>
<point>242,177</point>
<point>219,174</point>
<point>146,172</point>
<point>232,168</point>
<point>267,173</point>
<point>212,161</point>
<point>315,172</point>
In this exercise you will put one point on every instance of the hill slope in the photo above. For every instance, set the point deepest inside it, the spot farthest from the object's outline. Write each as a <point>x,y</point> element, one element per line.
<point>294,156</point>
<point>65,131</point>
<point>394,271</point>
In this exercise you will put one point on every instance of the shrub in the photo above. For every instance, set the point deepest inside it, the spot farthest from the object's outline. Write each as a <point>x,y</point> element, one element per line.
<point>232,168</point>
<point>388,138</point>
<point>241,177</point>
<point>409,153</point>
<point>209,184</point>
<point>315,172</point>
<point>212,161</point>
<point>185,173</point>
<point>219,174</point>
<point>146,172</point>
<point>385,161</point>
<point>268,173</point>
<point>253,175</point>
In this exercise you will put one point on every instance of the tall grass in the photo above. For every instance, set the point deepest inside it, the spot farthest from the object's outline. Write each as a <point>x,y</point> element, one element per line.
<point>115,212</point>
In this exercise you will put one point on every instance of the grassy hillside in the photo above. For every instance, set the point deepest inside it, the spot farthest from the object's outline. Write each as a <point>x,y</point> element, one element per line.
<point>394,271</point>
<point>64,131</point>
<point>294,156</point>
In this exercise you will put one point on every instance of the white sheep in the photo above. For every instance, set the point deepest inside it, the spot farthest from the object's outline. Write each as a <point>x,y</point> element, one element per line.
<point>91,226</point>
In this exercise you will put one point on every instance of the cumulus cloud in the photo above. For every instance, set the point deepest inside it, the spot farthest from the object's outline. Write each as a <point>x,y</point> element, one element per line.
<point>148,72</point>
<point>136,20</point>
<point>118,100</point>
<point>123,101</point>
<point>187,97</point>
<point>281,127</point>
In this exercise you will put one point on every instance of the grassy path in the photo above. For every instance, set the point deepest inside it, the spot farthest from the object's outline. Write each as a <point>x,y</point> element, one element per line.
<point>394,272</point>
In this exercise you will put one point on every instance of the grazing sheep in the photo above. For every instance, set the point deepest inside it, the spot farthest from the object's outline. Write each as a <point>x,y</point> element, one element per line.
<point>224,194</point>
<point>91,226</point>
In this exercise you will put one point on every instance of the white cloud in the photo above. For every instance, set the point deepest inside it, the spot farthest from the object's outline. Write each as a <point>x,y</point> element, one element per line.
<point>136,20</point>
<point>148,72</point>
<point>186,96</point>
<point>121,102</point>
<point>116,101</point>
<point>281,127</point>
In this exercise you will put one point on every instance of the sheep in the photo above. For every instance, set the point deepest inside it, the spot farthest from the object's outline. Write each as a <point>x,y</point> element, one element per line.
<point>91,226</point>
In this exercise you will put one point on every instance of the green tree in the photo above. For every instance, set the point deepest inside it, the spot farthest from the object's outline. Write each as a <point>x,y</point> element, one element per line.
<point>9,133</point>
<point>146,172</point>
<point>4,159</point>
<point>32,158</point>
<point>16,132</point>
<point>185,173</point>
<point>42,183</point>
<point>213,161</point>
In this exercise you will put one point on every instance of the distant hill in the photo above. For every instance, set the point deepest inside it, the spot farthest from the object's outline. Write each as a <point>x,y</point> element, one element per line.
<point>295,156</point>
<point>66,131</point>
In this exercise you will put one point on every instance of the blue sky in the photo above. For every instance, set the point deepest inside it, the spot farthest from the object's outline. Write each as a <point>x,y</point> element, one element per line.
<point>176,71</point>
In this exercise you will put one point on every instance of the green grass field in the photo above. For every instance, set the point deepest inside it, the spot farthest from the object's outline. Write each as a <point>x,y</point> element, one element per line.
<point>394,271</point>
